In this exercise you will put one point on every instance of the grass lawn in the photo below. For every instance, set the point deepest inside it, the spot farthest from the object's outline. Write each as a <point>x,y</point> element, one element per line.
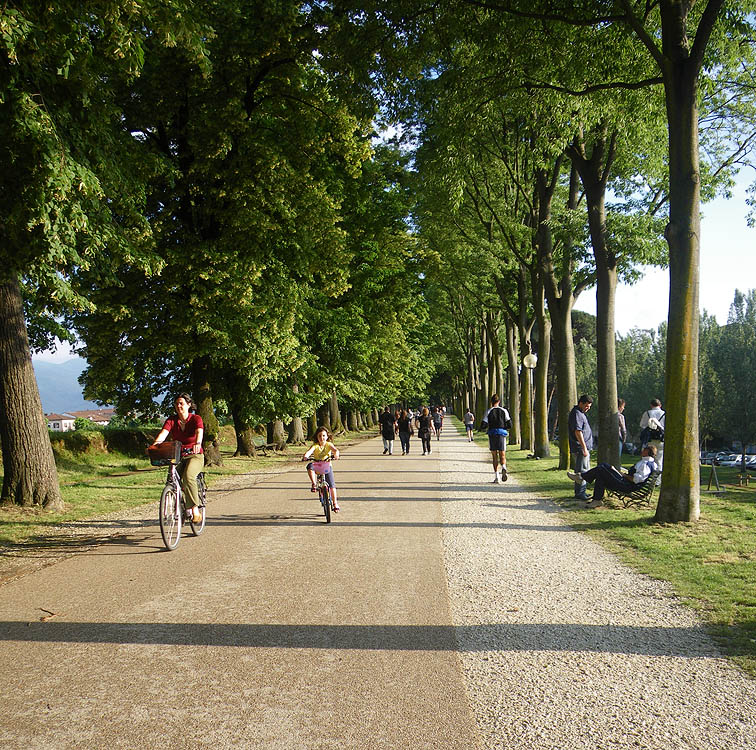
<point>711,564</point>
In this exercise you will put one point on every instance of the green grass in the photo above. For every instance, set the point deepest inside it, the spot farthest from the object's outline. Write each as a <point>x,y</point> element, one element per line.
<point>97,484</point>
<point>710,564</point>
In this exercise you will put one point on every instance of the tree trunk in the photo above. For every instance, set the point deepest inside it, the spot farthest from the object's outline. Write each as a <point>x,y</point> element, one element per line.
<point>295,428</point>
<point>513,395</point>
<point>30,476</point>
<point>324,417</point>
<point>235,385</point>
<point>541,445</point>
<point>203,399</point>
<point>679,498</point>
<point>312,426</point>
<point>352,420</point>
<point>337,426</point>
<point>277,434</point>
<point>594,173</point>
<point>560,299</point>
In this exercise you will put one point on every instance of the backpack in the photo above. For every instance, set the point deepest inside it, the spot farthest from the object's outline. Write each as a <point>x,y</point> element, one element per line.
<point>654,431</point>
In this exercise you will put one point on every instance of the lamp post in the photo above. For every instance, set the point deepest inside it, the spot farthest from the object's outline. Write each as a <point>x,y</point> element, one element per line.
<point>530,361</point>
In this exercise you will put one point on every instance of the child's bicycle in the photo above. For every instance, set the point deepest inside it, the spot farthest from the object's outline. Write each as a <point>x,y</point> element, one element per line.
<point>321,486</point>
<point>172,506</point>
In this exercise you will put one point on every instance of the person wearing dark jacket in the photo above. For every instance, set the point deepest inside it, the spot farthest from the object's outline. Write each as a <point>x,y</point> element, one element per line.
<point>497,422</point>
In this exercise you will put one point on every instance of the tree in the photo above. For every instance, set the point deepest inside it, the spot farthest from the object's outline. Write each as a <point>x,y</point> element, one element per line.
<point>70,187</point>
<point>734,365</point>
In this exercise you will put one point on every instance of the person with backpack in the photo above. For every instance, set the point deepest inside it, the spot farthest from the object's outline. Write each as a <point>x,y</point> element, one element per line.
<point>438,421</point>
<point>496,421</point>
<point>652,429</point>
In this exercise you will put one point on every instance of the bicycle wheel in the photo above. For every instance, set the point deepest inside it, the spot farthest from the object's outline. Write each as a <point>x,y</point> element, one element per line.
<point>198,528</point>
<point>170,518</point>
<point>325,500</point>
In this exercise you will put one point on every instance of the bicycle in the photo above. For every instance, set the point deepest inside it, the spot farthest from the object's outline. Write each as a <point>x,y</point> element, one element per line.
<point>325,494</point>
<point>172,505</point>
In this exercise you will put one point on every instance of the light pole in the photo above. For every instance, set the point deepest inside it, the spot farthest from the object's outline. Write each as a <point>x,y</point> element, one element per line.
<point>530,361</point>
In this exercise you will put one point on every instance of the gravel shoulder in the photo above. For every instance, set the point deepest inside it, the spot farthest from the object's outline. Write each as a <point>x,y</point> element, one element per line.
<point>562,646</point>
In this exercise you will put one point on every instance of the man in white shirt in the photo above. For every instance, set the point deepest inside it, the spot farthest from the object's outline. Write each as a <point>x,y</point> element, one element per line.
<point>606,476</point>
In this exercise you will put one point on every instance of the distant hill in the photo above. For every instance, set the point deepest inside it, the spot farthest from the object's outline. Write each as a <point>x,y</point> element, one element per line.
<point>59,387</point>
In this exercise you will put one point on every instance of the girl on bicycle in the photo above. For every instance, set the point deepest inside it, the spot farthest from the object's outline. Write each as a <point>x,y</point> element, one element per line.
<point>321,450</point>
<point>189,429</point>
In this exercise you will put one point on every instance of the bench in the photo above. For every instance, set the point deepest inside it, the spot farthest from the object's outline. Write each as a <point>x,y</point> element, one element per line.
<point>641,495</point>
<point>261,445</point>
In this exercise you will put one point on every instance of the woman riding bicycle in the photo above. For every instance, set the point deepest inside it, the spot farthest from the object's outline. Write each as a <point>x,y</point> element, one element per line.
<point>321,450</point>
<point>188,429</point>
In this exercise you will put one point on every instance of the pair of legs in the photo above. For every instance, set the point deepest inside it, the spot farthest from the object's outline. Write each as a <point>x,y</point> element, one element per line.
<point>388,445</point>
<point>604,477</point>
<point>499,460</point>
<point>497,444</point>
<point>404,440</point>
<point>425,439</point>
<point>438,431</point>
<point>469,429</point>
<point>190,467</point>
<point>329,481</point>
<point>580,464</point>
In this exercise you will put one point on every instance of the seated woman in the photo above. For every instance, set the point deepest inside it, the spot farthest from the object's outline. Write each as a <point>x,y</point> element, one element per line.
<point>189,429</point>
<point>321,450</point>
<point>606,476</point>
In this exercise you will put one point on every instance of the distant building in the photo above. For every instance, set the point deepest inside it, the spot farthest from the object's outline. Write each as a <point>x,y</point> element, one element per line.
<point>98,416</point>
<point>60,422</point>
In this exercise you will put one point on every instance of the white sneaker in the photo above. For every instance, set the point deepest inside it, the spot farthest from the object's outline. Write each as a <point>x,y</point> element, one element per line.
<point>497,478</point>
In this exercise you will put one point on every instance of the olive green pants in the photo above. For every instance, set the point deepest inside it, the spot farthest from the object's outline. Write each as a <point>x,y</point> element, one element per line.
<point>192,465</point>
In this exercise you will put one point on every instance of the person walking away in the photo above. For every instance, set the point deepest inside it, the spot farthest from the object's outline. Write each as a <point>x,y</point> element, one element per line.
<point>497,422</point>
<point>622,425</point>
<point>469,420</point>
<point>425,429</point>
<point>606,477</point>
<point>438,421</point>
<point>652,424</point>
<point>387,429</point>
<point>321,450</point>
<point>581,443</point>
<point>404,425</point>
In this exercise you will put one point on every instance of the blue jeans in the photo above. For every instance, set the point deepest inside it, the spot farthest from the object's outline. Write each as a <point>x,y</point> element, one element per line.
<point>404,440</point>
<point>580,463</point>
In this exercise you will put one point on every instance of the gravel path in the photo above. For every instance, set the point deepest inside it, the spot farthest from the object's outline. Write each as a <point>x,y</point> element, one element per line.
<point>564,647</point>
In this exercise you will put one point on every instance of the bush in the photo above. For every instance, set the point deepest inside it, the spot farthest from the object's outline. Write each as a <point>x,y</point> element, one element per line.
<point>127,442</point>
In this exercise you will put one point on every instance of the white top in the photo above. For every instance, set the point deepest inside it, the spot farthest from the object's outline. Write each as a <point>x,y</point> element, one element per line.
<point>643,469</point>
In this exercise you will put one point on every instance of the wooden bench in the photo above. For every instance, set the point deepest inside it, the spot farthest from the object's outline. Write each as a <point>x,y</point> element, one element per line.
<point>261,445</point>
<point>641,495</point>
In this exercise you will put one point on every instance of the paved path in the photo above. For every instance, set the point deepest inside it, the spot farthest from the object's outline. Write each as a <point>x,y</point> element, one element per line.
<point>436,611</point>
<point>272,630</point>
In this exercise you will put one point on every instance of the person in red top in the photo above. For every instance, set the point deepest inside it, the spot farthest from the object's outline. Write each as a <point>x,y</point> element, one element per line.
<point>189,429</point>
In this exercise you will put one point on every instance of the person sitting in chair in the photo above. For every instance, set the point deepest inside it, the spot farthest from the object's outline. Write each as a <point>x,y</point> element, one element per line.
<point>606,477</point>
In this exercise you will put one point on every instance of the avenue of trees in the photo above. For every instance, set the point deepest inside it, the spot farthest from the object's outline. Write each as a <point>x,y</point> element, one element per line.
<point>194,194</point>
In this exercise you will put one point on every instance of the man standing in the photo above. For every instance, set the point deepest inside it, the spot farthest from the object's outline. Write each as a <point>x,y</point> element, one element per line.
<point>498,422</point>
<point>581,443</point>
<point>622,425</point>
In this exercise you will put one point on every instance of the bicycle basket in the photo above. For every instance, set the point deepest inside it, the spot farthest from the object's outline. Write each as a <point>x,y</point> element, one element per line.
<point>321,467</point>
<point>165,453</point>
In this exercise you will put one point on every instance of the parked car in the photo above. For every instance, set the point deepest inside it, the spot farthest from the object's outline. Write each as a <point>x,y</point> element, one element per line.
<point>722,456</point>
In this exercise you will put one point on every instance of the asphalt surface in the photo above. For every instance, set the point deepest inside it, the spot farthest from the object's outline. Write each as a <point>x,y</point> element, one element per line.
<point>271,630</point>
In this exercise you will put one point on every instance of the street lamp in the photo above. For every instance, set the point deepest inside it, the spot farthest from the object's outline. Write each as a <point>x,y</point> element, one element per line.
<point>530,361</point>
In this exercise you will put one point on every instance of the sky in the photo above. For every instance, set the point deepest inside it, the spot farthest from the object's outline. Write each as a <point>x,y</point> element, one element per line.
<point>728,262</point>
